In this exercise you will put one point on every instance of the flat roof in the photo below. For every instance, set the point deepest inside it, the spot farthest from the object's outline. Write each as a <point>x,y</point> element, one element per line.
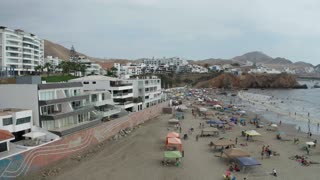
<point>59,85</point>
<point>10,111</point>
<point>95,78</point>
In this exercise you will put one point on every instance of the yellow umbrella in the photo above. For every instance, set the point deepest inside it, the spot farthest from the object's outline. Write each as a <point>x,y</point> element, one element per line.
<point>252,133</point>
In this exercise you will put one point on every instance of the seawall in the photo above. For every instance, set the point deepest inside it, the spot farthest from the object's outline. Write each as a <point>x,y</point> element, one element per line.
<point>37,158</point>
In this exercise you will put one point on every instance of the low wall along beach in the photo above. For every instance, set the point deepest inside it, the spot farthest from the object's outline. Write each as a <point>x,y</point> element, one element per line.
<point>34,159</point>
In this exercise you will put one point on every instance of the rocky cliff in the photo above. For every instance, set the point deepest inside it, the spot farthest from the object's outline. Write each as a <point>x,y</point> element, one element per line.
<point>251,81</point>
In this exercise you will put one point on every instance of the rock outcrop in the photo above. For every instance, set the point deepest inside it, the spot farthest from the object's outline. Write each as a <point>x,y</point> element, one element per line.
<point>252,81</point>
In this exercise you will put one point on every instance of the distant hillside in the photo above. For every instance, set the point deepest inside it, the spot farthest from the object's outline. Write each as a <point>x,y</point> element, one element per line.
<point>317,68</point>
<point>57,50</point>
<point>255,57</point>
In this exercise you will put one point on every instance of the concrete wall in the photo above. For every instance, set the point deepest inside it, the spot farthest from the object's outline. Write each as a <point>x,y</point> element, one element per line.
<point>24,96</point>
<point>33,160</point>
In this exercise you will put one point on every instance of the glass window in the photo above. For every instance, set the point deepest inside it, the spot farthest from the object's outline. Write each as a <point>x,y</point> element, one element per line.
<point>7,121</point>
<point>23,120</point>
<point>103,96</point>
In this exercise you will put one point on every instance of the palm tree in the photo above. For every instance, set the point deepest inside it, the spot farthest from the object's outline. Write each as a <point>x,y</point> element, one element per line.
<point>38,69</point>
<point>114,70</point>
<point>47,66</point>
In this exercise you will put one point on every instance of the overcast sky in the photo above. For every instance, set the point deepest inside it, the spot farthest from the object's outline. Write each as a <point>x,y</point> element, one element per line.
<point>194,29</point>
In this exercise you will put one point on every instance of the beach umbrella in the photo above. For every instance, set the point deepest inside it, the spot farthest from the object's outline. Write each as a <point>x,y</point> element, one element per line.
<point>274,125</point>
<point>215,122</point>
<point>242,112</point>
<point>172,154</point>
<point>310,143</point>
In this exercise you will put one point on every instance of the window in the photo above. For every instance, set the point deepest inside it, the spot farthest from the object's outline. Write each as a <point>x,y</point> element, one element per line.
<point>86,82</point>
<point>7,121</point>
<point>23,120</point>
<point>47,95</point>
<point>93,82</point>
<point>103,96</point>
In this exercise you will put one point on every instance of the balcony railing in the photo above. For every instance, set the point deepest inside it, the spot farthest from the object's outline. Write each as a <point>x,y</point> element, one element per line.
<point>124,103</point>
<point>121,94</point>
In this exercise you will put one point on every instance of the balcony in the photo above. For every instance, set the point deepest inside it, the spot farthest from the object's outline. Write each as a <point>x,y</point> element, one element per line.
<point>65,99</point>
<point>124,105</point>
<point>122,95</point>
<point>76,111</point>
<point>110,112</point>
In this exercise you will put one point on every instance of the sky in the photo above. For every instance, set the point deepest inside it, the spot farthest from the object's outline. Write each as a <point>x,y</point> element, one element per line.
<point>193,29</point>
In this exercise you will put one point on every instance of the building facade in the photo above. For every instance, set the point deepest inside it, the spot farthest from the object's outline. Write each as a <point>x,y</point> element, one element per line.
<point>20,51</point>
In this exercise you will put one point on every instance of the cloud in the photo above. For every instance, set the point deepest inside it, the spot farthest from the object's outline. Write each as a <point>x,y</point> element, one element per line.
<point>189,28</point>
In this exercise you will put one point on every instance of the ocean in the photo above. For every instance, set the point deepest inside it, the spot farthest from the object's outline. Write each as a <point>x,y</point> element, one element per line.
<point>291,106</point>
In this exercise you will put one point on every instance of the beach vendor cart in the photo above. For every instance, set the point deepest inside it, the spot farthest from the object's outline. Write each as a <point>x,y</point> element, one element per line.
<point>172,158</point>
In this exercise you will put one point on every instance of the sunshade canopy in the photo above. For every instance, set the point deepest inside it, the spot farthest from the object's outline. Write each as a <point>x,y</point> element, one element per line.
<point>217,106</point>
<point>248,161</point>
<point>252,133</point>
<point>223,142</point>
<point>34,134</point>
<point>175,141</point>
<point>173,135</point>
<point>172,154</point>
<point>235,153</point>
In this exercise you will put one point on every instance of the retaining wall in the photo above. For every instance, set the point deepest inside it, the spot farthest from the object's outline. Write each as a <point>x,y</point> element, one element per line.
<point>43,156</point>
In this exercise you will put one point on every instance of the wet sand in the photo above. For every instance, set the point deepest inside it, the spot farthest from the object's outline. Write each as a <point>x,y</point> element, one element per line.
<point>139,155</point>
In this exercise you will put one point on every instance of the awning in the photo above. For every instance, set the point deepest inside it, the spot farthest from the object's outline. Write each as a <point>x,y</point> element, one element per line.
<point>34,134</point>
<point>6,135</point>
<point>172,154</point>
<point>248,161</point>
<point>202,109</point>
<point>252,133</point>
<point>235,153</point>
<point>274,125</point>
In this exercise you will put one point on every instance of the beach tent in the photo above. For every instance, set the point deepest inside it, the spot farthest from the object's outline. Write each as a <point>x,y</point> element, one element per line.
<point>172,154</point>
<point>235,153</point>
<point>182,107</point>
<point>248,162</point>
<point>274,125</point>
<point>173,121</point>
<point>310,143</point>
<point>210,131</point>
<point>242,112</point>
<point>174,142</point>
<point>252,133</point>
<point>223,143</point>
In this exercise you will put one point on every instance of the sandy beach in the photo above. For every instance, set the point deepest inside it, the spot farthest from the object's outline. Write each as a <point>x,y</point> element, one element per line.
<point>139,155</point>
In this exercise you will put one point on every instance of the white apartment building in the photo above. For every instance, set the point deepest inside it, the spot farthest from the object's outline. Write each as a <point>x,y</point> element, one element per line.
<point>61,108</point>
<point>261,69</point>
<point>91,67</point>
<point>54,61</point>
<point>147,91</point>
<point>20,51</point>
<point>121,91</point>
<point>16,121</point>
<point>125,71</point>
<point>170,61</point>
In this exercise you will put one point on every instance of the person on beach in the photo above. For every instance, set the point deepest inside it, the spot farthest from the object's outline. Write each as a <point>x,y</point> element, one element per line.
<point>280,123</point>
<point>299,129</point>
<point>308,151</point>
<point>197,137</point>
<point>274,172</point>
<point>180,129</point>
<point>236,140</point>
